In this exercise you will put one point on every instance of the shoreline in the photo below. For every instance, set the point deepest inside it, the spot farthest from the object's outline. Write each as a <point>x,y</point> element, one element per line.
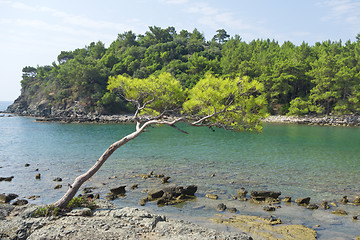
<point>327,120</point>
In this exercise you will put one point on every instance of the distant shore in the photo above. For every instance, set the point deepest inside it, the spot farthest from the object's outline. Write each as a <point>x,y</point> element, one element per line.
<point>345,120</point>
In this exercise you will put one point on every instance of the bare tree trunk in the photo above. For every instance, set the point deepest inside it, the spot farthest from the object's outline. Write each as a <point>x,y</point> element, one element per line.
<point>64,201</point>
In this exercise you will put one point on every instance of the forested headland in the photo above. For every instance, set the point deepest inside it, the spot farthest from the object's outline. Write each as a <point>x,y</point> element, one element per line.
<point>321,79</point>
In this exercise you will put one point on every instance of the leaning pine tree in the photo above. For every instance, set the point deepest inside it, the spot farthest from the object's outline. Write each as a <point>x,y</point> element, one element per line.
<point>236,104</point>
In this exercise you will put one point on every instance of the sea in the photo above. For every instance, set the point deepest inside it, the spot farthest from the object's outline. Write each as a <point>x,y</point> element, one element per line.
<point>300,161</point>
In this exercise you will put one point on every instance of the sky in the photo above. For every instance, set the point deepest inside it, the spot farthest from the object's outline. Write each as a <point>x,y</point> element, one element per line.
<point>34,32</point>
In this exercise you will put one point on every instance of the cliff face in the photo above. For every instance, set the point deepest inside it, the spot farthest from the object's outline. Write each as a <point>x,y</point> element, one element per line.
<point>35,105</point>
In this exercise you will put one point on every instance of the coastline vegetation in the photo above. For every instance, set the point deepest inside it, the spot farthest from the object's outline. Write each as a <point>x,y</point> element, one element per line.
<point>298,80</point>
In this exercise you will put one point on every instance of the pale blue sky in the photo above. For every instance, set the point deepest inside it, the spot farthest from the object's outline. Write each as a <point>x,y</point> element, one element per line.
<point>34,32</point>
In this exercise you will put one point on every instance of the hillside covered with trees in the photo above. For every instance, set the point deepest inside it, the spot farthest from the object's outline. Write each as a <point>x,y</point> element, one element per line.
<point>319,79</point>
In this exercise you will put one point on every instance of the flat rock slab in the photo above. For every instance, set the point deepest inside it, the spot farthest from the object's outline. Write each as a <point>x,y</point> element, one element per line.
<point>106,223</point>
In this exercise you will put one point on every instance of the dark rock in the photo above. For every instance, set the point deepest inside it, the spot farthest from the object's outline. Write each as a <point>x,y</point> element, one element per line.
<point>344,200</point>
<point>264,195</point>
<point>221,207</point>
<point>269,208</point>
<point>325,205</point>
<point>302,201</point>
<point>134,186</point>
<point>97,196</point>
<point>7,179</point>
<point>20,202</point>
<point>165,180</point>
<point>38,176</point>
<point>88,189</point>
<point>190,190</point>
<point>118,191</point>
<point>34,197</point>
<point>27,165</point>
<point>155,193</point>
<point>355,217</point>
<point>6,198</point>
<point>111,196</point>
<point>58,186</point>
<point>232,210</point>
<point>57,179</point>
<point>312,206</point>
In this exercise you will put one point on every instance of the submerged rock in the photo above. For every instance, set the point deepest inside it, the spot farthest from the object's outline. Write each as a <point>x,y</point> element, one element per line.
<point>339,212</point>
<point>38,176</point>
<point>6,179</point>
<point>325,205</point>
<point>221,207</point>
<point>241,194</point>
<point>344,200</point>
<point>212,196</point>
<point>268,228</point>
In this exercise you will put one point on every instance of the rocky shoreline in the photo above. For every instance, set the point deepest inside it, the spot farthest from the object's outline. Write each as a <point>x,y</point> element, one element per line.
<point>106,222</point>
<point>346,120</point>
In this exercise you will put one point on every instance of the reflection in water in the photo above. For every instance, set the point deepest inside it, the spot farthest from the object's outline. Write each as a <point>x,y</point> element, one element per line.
<point>299,161</point>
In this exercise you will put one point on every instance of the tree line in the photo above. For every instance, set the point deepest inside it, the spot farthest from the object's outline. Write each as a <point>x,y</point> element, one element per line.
<point>319,79</point>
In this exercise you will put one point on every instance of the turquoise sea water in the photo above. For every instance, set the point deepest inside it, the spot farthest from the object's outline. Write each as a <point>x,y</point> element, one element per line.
<point>300,161</point>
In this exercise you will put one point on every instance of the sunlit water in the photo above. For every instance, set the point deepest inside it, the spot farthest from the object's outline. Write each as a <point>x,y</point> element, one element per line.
<point>300,161</point>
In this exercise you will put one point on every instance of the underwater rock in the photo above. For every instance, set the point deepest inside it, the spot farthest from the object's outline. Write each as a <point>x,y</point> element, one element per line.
<point>6,179</point>
<point>38,176</point>
<point>221,207</point>
<point>241,194</point>
<point>325,205</point>
<point>312,206</point>
<point>212,196</point>
<point>339,212</point>
<point>58,179</point>
<point>287,199</point>
<point>269,208</point>
<point>344,200</point>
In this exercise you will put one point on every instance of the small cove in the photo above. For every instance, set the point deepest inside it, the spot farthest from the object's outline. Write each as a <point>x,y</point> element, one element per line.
<point>300,161</point>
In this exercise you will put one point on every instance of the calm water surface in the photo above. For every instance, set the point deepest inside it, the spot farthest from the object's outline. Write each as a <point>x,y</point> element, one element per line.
<point>300,161</point>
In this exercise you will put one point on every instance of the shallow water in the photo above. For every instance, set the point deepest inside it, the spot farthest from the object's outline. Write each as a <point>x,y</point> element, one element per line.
<point>300,161</point>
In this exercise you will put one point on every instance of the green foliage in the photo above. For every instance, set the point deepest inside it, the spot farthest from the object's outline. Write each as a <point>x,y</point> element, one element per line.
<point>46,211</point>
<point>326,74</point>
<point>164,88</point>
<point>241,98</point>
<point>82,201</point>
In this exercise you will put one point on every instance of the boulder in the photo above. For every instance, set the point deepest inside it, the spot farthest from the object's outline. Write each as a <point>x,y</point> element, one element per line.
<point>171,194</point>
<point>165,180</point>
<point>221,207</point>
<point>20,202</point>
<point>302,201</point>
<point>118,191</point>
<point>58,179</point>
<point>268,196</point>
<point>58,186</point>
<point>6,198</point>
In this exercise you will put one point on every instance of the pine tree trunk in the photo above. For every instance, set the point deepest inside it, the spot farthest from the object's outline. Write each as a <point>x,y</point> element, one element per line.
<point>64,201</point>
